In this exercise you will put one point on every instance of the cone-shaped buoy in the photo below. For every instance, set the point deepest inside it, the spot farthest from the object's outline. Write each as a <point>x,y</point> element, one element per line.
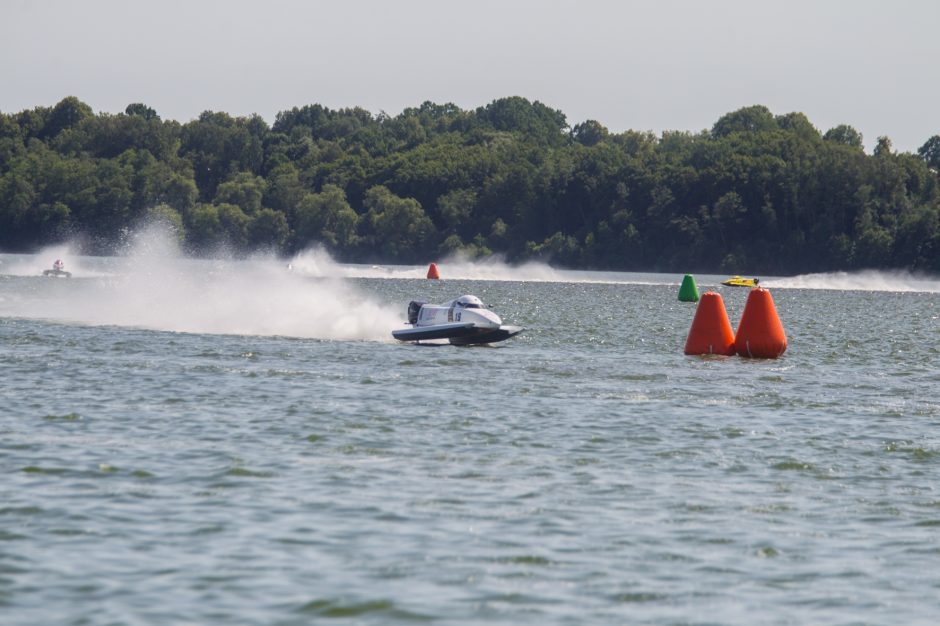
<point>432,271</point>
<point>688,291</point>
<point>711,331</point>
<point>760,334</point>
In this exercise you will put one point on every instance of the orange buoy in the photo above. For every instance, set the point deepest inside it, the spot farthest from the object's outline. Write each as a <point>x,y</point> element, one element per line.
<point>711,331</point>
<point>760,333</point>
<point>432,271</point>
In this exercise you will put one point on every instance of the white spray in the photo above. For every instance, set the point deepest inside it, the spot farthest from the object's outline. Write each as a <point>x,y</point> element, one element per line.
<point>866,280</point>
<point>156,287</point>
<point>317,262</point>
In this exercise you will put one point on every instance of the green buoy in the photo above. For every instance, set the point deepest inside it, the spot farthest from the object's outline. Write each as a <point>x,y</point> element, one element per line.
<point>688,292</point>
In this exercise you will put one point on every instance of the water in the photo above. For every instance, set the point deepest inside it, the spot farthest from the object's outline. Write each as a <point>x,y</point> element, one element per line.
<point>194,442</point>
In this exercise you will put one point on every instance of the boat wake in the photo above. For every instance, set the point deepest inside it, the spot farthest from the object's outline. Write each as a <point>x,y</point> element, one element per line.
<point>867,280</point>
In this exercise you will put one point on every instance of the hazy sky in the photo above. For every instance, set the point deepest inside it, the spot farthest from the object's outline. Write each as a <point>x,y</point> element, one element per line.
<point>656,65</point>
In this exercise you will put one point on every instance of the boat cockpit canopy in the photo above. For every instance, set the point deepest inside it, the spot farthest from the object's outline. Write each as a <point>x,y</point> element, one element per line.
<point>469,302</point>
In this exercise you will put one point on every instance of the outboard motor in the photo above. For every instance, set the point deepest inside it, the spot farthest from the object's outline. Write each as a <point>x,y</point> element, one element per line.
<point>414,307</point>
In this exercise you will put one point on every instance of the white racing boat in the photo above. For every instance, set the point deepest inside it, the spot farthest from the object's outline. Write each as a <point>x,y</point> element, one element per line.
<point>57,271</point>
<point>463,322</point>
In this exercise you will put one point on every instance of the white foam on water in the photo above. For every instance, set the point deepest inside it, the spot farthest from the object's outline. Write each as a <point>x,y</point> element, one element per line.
<point>496,268</point>
<point>317,262</point>
<point>866,280</point>
<point>154,286</point>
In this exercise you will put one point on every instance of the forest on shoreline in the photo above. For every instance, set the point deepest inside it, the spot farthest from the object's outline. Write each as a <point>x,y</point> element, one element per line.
<point>756,193</point>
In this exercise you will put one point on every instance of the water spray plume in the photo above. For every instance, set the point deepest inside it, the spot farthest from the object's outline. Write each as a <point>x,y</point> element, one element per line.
<point>896,281</point>
<point>317,262</point>
<point>155,287</point>
<point>495,267</point>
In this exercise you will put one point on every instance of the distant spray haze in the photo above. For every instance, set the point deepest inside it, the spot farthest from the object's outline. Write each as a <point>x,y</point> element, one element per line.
<point>317,262</point>
<point>155,287</point>
<point>867,280</point>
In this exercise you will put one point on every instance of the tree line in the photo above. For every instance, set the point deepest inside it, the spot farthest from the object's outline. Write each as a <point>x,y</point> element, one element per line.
<point>756,193</point>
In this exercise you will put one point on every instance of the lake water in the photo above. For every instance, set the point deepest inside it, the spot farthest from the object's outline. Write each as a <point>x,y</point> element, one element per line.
<point>196,442</point>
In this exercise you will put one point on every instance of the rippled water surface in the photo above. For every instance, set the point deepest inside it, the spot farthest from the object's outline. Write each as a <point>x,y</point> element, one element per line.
<point>219,444</point>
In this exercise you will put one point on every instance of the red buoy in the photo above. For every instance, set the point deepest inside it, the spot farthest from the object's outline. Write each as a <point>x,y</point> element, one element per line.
<point>432,271</point>
<point>711,331</point>
<point>760,333</point>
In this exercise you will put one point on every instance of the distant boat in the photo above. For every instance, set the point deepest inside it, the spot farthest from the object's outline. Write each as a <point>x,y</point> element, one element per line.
<point>58,270</point>
<point>740,281</point>
<point>57,273</point>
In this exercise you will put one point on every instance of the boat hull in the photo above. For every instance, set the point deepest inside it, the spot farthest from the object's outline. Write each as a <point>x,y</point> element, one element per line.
<point>458,334</point>
<point>427,333</point>
<point>737,281</point>
<point>487,335</point>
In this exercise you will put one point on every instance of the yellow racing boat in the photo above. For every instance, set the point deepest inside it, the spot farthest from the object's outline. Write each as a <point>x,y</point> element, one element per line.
<point>740,281</point>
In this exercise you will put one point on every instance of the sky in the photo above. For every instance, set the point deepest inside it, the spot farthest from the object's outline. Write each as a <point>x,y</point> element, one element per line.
<point>657,65</point>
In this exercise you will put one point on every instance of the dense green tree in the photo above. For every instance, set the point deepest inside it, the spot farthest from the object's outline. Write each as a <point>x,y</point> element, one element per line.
<point>110,215</point>
<point>67,113</point>
<point>589,133</point>
<point>755,193</point>
<point>396,227</point>
<point>883,147</point>
<point>17,199</point>
<point>432,170</point>
<point>751,119</point>
<point>845,135</point>
<point>244,190</point>
<point>284,188</point>
<point>456,207</point>
<point>559,246</point>
<point>142,110</point>
<point>11,141</point>
<point>533,119</point>
<point>234,224</point>
<point>326,218</point>
<point>32,121</point>
<point>312,117</point>
<point>799,125</point>
<point>108,136</point>
<point>204,231</point>
<point>220,146</point>
<point>930,152</point>
<point>211,228</point>
<point>268,229</point>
